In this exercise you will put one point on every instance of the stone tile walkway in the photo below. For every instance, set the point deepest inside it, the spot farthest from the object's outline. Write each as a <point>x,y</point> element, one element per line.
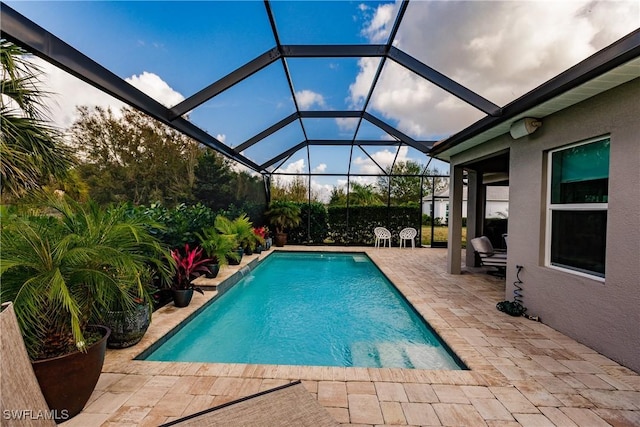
<point>522,373</point>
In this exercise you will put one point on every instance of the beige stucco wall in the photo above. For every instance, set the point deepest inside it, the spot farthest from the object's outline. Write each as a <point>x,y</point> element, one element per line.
<point>602,315</point>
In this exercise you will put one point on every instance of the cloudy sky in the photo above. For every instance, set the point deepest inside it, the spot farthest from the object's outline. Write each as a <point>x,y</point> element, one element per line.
<point>170,50</point>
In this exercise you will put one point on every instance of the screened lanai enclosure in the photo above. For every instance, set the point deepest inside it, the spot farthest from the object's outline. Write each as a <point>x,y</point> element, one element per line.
<point>337,94</point>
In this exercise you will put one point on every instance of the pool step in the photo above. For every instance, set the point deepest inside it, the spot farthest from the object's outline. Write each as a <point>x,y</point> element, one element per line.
<point>428,357</point>
<point>399,354</point>
<point>392,355</point>
<point>364,355</point>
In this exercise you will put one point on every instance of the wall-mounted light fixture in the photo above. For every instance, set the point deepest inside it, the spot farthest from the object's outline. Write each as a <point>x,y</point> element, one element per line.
<point>524,127</point>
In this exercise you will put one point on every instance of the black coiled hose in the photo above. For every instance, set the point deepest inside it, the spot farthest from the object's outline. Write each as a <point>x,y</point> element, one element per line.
<point>517,292</point>
<point>515,307</point>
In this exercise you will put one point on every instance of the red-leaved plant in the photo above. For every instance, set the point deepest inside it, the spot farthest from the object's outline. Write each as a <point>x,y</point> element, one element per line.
<point>261,232</point>
<point>189,266</point>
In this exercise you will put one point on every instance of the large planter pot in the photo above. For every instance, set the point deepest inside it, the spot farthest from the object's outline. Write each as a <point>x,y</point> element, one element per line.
<point>232,261</point>
<point>281,239</point>
<point>182,297</point>
<point>214,269</point>
<point>128,327</point>
<point>258,249</point>
<point>68,381</point>
<point>248,250</point>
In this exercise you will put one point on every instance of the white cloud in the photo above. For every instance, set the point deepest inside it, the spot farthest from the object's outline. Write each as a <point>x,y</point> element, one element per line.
<point>156,88</point>
<point>362,180</point>
<point>308,98</point>
<point>499,50</point>
<point>67,92</point>
<point>384,158</point>
<point>346,124</point>
<point>322,191</point>
<point>380,25</point>
<point>294,167</point>
<point>359,89</point>
<point>320,168</point>
<point>222,138</point>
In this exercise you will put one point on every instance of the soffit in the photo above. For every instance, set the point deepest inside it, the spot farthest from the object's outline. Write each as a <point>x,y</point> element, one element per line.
<point>620,75</point>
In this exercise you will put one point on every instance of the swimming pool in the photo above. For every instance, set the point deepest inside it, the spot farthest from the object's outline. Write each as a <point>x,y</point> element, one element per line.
<point>323,309</point>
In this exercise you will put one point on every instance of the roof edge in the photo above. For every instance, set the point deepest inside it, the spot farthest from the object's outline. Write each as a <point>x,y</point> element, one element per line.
<point>606,59</point>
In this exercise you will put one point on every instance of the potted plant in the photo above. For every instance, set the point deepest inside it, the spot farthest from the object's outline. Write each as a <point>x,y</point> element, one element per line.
<point>268,241</point>
<point>128,324</point>
<point>189,266</point>
<point>260,234</point>
<point>62,272</point>
<point>242,228</point>
<point>283,216</point>
<point>218,247</point>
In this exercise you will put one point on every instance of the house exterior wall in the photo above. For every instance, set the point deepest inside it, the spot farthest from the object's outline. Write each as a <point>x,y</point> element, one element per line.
<point>440,210</point>
<point>604,315</point>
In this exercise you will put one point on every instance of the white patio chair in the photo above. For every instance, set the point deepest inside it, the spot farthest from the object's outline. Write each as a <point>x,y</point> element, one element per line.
<point>408,233</point>
<point>382,235</point>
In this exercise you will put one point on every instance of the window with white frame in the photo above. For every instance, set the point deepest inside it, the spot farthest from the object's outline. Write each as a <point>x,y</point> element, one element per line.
<point>577,207</point>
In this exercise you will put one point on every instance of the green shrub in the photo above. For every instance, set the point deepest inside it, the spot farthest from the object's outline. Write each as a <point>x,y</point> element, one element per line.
<point>177,226</point>
<point>357,229</point>
<point>313,218</point>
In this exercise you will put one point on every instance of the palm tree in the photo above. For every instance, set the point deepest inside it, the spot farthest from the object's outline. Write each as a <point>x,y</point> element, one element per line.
<point>66,270</point>
<point>363,195</point>
<point>30,147</point>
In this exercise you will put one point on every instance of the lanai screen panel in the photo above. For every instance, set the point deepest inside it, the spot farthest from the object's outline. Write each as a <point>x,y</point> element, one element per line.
<point>329,159</point>
<point>324,83</point>
<point>276,143</point>
<point>248,107</point>
<point>374,160</point>
<point>326,129</point>
<point>417,107</point>
<point>186,45</point>
<point>323,22</point>
<point>297,163</point>
<point>369,131</point>
<point>412,155</point>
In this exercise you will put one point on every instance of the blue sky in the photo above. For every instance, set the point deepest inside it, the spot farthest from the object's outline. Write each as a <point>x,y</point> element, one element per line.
<point>170,50</point>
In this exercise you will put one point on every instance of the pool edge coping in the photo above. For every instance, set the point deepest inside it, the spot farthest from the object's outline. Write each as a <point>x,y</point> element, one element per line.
<point>126,361</point>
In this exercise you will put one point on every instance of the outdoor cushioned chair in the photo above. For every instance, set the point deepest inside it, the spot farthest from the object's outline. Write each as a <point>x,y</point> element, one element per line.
<point>22,401</point>
<point>408,233</point>
<point>490,257</point>
<point>382,235</point>
<point>284,406</point>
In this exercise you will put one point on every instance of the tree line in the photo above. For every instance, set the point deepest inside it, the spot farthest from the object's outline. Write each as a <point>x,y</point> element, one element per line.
<point>126,156</point>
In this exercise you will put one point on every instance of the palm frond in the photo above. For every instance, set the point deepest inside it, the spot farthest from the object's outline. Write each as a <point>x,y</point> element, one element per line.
<point>62,277</point>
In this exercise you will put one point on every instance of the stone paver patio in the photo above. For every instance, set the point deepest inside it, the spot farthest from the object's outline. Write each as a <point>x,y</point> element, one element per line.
<point>521,371</point>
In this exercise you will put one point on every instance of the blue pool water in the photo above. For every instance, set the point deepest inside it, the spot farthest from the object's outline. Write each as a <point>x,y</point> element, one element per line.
<point>325,309</point>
